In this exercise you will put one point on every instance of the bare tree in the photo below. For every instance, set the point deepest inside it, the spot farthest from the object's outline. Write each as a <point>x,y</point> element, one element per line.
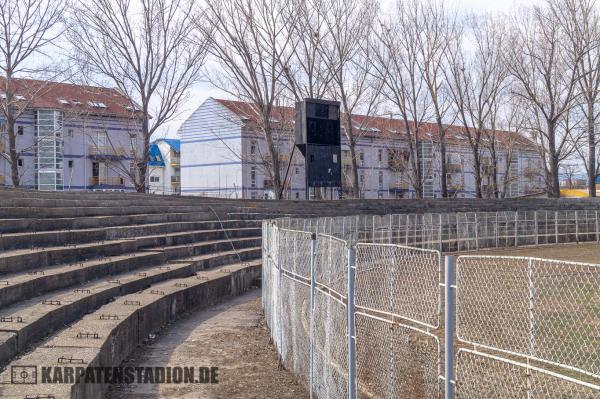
<point>250,42</point>
<point>580,20</point>
<point>475,83</point>
<point>543,62</point>
<point>504,146</point>
<point>437,30</point>
<point>306,74</point>
<point>149,49</point>
<point>396,63</point>
<point>570,171</point>
<point>346,50</point>
<point>27,28</point>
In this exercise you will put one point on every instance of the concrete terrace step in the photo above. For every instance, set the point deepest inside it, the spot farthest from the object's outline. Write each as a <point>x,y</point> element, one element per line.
<point>26,259</point>
<point>24,285</point>
<point>105,337</point>
<point>79,236</point>
<point>70,201</point>
<point>24,323</point>
<point>61,212</point>
<point>32,224</point>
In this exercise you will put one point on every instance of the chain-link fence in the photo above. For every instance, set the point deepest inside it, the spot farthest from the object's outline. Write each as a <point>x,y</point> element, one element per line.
<point>356,312</point>
<point>462,231</point>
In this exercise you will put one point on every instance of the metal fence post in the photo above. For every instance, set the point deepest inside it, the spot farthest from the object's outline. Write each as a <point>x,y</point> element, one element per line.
<point>476,231</point>
<point>577,226</point>
<point>351,324</point>
<point>516,228</point>
<point>313,268</point>
<point>449,315</point>
<point>537,233</point>
<point>279,299</point>
<point>532,321</point>
<point>597,228</point>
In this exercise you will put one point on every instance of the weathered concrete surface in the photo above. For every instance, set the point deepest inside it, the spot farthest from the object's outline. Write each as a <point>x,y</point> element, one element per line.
<point>136,316</point>
<point>64,237</point>
<point>31,204</point>
<point>230,336</point>
<point>32,319</point>
<point>25,259</point>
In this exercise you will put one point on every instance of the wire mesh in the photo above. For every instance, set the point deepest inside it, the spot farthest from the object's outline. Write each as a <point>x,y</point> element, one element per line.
<point>295,252</point>
<point>330,375</point>
<point>461,231</point>
<point>331,270</point>
<point>395,361</point>
<point>399,280</point>
<point>484,376</point>
<point>515,308</point>
<point>295,322</point>
<point>543,309</point>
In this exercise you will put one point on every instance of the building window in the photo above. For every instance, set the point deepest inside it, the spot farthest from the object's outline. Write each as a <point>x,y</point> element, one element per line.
<point>361,179</point>
<point>253,176</point>
<point>361,158</point>
<point>70,163</point>
<point>70,133</point>
<point>380,155</point>
<point>20,130</point>
<point>154,179</point>
<point>297,171</point>
<point>297,195</point>
<point>20,162</point>
<point>253,148</point>
<point>381,180</point>
<point>253,195</point>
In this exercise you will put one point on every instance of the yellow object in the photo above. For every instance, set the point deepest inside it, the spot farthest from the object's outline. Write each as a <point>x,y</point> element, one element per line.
<point>573,192</point>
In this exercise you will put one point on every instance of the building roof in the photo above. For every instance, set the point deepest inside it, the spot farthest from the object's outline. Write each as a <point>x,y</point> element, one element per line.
<point>67,97</point>
<point>155,158</point>
<point>175,144</point>
<point>381,127</point>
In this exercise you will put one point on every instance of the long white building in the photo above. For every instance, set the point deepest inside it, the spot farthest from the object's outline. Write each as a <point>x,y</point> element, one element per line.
<point>223,154</point>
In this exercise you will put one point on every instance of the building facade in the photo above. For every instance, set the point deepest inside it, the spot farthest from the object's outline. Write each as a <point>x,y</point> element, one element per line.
<point>224,155</point>
<point>71,137</point>
<point>163,167</point>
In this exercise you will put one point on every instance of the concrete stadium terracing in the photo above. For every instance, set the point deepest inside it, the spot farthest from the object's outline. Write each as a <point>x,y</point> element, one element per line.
<point>117,267</point>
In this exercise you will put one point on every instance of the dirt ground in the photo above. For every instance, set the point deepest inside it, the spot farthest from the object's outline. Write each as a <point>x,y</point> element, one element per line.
<point>231,336</point>
<point>585,252</point>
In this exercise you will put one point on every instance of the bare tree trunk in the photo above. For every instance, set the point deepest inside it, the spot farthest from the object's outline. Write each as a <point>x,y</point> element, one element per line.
<point>142,166</point>
<point>591,149</point>
<point>10,131</point>
<point>553,183</point>
<point>494,157</point>
<point>355,185</point>
<point>349,129</point>
<point>477,171</point>
<point>276,175</point>
<point>443,174</point>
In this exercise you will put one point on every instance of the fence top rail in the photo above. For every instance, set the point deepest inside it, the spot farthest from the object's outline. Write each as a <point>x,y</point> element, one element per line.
<point>308,233</point>
<point>294,217</point>
<point>530,367</point>
<point>332,238</point>
<point>528,258</point>
<point>374,244</point>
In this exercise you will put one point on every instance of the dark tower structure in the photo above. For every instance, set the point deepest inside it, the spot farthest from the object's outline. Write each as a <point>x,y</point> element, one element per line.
<point>317,131</point>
